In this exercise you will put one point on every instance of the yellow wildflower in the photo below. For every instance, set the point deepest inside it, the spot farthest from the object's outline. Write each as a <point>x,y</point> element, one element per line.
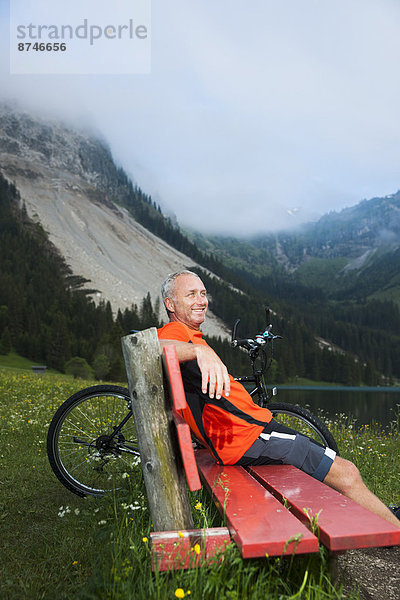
<point>179,593</point>
<point>198,506</point>
<point>144,539</point>
<point>197,549</point>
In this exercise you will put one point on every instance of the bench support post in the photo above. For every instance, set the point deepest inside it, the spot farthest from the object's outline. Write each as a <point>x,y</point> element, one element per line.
<point>160,458</point>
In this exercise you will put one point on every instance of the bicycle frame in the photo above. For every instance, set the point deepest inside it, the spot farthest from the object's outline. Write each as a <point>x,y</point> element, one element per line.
<point>263,396</point>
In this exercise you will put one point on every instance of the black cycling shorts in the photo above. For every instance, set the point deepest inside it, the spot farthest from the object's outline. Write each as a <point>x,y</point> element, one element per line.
<point>280,445</point>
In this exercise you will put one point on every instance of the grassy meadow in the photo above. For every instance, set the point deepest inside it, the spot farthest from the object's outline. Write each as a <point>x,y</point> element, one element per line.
<point>57,546</point>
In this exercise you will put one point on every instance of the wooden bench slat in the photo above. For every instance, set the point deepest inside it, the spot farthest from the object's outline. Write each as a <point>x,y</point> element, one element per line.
<point>343,524</point>
<point>259,524</point>
<point>171,363</point>
<point>187,453</point>
<point>173,372</point>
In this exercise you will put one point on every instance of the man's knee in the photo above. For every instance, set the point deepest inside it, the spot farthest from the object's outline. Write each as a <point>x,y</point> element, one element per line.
<point>343,475</point>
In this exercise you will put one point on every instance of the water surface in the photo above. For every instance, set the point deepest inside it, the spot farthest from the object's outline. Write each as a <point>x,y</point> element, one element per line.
<point>366,405</point>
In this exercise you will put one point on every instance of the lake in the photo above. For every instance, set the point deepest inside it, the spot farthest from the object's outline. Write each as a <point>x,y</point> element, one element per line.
<point>366,405</point>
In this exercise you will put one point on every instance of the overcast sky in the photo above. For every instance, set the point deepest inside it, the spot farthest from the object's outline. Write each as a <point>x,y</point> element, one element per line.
<point>252,109</point>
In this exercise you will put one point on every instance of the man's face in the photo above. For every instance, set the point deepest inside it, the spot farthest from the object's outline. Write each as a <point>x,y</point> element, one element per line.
<point>189,302</point>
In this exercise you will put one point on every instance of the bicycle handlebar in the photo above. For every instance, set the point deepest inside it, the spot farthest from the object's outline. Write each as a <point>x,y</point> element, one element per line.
<point>234,329</point>
<point>253,346</point>
<point>245,343</point>
<point>260,339</point>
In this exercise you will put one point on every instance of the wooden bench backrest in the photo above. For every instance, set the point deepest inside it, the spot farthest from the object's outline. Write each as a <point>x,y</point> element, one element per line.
<point>173,374</point>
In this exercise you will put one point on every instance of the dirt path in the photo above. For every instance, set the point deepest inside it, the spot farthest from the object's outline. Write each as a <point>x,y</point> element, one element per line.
<point>375,571</point>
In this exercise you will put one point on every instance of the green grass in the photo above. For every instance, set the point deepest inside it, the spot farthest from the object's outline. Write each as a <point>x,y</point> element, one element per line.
<point>15,361</point>
<point>56,545</point>
<point>376,452</point>
<point>42,555</point>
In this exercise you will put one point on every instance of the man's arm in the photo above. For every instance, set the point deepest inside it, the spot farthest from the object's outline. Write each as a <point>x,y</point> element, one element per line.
<point>214,374</point>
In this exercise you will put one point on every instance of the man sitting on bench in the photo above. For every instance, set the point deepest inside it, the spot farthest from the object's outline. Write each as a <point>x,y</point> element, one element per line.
<point>223,416</point>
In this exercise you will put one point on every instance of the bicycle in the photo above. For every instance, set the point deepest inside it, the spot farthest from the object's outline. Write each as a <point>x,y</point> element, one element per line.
<point>91,441</point>
<point>292,415</point>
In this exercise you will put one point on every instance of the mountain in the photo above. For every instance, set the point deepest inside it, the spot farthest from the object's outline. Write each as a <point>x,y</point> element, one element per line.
<point>338,278</point>
<point>332,286</point>
<point>69,183</point>
<point>362,244</point>
<point>354,253</point>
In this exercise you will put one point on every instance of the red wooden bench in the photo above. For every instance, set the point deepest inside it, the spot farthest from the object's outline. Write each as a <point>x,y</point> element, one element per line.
<point>269,510</point>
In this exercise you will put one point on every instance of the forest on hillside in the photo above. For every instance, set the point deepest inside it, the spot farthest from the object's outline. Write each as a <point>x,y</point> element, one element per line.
<point>47,316</point>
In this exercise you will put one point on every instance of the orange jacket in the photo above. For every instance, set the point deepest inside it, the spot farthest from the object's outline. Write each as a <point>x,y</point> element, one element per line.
<point>228,426</point>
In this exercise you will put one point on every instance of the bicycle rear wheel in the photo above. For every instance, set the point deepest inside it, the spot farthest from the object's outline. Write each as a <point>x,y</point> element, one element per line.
<point>301,420</point>
<point>91,440</point>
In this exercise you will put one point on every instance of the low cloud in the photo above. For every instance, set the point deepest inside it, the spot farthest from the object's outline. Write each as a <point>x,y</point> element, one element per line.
<point>249,112</point>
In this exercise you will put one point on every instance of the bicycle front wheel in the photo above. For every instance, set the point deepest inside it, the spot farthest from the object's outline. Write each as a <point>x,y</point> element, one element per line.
<point>91,440</point>
<point>301,420</point>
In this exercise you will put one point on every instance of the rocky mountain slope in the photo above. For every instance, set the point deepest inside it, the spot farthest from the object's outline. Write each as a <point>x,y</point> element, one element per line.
<point>66,179</point>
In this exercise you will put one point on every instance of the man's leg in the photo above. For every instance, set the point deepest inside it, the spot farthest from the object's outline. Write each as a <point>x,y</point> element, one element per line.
<point>344,477</point>
<point>300,451</point>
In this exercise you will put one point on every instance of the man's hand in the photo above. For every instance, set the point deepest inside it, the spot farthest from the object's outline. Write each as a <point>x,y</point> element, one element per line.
<point>214,374</point>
